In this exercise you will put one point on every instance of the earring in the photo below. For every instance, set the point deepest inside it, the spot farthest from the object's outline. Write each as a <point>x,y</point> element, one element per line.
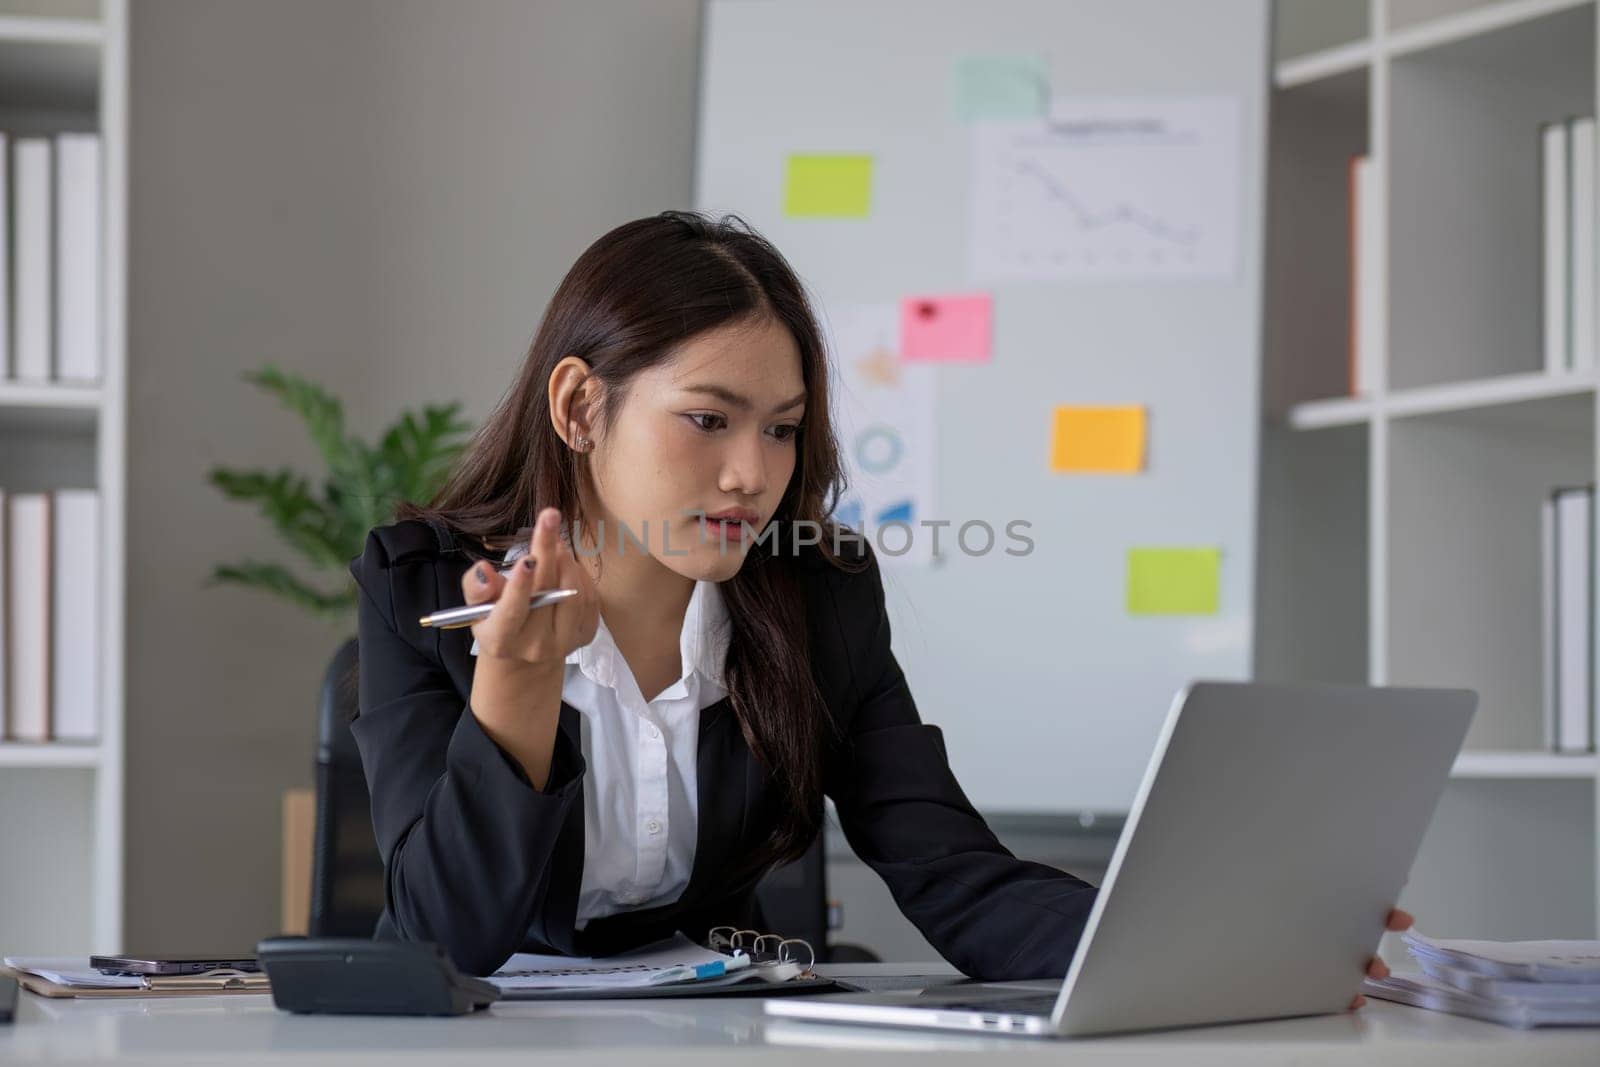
<point>581,443</point>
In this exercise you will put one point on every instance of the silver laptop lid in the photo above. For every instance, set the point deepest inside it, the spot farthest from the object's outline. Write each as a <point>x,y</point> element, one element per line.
<point>1272,833</point>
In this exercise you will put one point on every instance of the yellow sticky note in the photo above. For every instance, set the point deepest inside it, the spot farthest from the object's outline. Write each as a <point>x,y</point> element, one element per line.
<point>1174,581</point>
<point>827,186</point>
<point>1098,440</point>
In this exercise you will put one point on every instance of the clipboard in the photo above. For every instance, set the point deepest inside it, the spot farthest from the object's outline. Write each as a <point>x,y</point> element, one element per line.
<point>212,983</point>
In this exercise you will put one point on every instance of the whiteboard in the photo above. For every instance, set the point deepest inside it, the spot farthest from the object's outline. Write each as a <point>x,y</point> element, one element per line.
<point>1049,690</point>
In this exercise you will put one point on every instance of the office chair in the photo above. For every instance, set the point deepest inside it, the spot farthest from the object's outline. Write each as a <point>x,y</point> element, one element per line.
<point>347,873</point>
<point>346,870</point>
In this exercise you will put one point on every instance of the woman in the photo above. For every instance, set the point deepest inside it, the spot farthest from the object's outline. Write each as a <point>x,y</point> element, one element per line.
<point>594,775</point>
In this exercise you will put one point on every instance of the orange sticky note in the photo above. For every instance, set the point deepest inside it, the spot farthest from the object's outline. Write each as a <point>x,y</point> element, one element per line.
<point>1098,440</point>
<point>946,329</point>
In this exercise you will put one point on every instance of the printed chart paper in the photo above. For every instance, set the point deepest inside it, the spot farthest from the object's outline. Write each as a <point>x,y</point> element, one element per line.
<point>1109,189</point>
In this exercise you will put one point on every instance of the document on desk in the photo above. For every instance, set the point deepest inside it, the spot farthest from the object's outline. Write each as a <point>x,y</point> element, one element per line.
<point>1422,991</point>
<point>1514,983</point>
<point>1529,961</point>
<point>50,976</point>
<point>71,972</point>
<point>675,959</point>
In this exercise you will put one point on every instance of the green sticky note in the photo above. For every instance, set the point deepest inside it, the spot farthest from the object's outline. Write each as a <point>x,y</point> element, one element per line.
<point>1174,581</point>
<point>827,187</point>
<point>1001,87</point>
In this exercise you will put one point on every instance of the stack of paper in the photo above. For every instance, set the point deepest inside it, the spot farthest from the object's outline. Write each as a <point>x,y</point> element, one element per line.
<point>75,973</point>
<point>1514,983</point>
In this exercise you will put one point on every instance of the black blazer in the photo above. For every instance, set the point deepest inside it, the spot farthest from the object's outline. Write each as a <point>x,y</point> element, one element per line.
<point>479,861</point>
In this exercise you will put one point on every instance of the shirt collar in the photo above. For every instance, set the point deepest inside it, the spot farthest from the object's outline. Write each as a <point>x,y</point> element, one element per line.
<point>702,643</point>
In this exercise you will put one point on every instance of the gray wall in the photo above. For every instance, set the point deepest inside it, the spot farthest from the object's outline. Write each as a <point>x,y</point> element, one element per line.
<point>380,194</point>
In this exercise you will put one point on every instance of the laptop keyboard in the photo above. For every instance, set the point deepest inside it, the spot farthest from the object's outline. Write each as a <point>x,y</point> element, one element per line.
<point>1031,1004</point>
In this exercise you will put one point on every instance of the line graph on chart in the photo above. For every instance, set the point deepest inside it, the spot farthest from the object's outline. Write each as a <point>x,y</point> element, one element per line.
<point>1120,188</point>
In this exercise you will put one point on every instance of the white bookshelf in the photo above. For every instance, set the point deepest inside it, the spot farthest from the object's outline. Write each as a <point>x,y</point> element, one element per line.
<point>63,66</point>
<point>1414,508</point>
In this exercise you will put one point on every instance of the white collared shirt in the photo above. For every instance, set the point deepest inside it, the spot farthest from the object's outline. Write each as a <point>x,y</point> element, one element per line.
<point>640,802</point>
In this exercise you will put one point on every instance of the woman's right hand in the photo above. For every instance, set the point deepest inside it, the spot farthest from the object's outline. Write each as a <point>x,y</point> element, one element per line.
<point>521,661</point>
<point>539,639</point>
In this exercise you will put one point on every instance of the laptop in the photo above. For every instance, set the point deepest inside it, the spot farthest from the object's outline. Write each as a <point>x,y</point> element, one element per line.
<point>1272,833</point>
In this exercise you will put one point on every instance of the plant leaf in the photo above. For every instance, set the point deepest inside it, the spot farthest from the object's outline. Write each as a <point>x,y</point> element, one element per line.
<point>285,499</point>
<point>271,578</point>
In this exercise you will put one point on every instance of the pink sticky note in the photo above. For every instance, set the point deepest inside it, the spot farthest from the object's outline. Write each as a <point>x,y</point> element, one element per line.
<point>946,329</point>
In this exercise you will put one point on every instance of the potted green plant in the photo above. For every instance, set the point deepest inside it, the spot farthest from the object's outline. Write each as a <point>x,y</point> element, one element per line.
<point>363,486</point>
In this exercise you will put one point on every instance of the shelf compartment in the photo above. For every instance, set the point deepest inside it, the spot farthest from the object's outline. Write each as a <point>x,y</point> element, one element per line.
<point>48,448</point>
<point>1311,605</point>
<point>1315,131</point>
<point>1417,25</point>
<point>1464,189</point>
<point>1302,29</point>
<point>47,879</point>
<point>1507,859</point>
<point>1464,585</point>
<point>49,70</point>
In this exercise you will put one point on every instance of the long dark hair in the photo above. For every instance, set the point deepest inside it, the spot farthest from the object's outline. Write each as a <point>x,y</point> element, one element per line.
<point>627,304</point>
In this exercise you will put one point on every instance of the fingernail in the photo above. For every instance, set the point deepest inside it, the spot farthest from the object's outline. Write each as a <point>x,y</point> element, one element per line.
<point>548,520</point>
<point>483,574</point>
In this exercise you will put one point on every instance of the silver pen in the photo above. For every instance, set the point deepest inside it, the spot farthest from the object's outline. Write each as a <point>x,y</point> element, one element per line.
<point>456,618</point>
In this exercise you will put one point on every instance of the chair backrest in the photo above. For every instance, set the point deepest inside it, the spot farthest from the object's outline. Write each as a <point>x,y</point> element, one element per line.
<point>346,871</point>
<point>347,894</point>
<point>794,899</point>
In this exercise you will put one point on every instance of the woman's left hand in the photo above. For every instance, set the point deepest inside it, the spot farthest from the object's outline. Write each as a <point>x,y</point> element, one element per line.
<point>1376,968</point>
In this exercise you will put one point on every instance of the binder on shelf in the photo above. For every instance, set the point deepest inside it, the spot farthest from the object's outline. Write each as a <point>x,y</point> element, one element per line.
<point>5,293</point>
<point>77,257</point>
<point>1365,245</point>
<point>75,634</point>
<point>1569,267</point>
<point>1568,566</point>
<point>1581,211</point>
<point>1554,276</point>
<point>28,543</point>
<point>31,266</point>
<point>1547,622</point>
<point>5,612</point>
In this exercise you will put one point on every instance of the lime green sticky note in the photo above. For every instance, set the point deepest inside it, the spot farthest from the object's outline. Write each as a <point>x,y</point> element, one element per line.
<point>1001,87</point>
<point>827,187</point>
<point>1174,581</point>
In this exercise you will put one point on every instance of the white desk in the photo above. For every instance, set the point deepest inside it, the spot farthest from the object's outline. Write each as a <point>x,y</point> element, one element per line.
<point>245,1031</point>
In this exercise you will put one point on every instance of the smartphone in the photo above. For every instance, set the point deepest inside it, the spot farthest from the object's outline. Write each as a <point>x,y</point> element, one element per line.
<point>137,965</point>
